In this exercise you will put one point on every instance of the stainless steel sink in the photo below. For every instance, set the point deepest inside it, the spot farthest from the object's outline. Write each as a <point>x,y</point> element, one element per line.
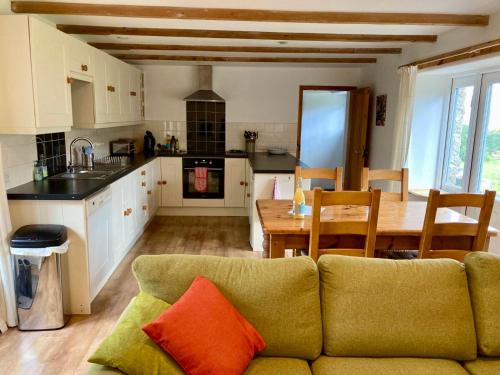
<point>87,174</point>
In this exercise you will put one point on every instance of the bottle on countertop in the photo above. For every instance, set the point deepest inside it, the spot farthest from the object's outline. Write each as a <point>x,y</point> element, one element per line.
<point>172,144</point>
<point>43,165</point>
<point>299,201</point>
<point>37,171</point>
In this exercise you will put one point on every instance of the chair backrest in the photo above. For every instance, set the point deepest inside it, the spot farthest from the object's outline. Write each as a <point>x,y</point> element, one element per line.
<point>363,224</point>
<point>387,175</point>
<point>478,231</point>
<point>335,174</point>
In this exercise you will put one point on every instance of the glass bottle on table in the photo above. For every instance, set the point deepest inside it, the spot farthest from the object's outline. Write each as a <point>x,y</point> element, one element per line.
<point>299,201</point>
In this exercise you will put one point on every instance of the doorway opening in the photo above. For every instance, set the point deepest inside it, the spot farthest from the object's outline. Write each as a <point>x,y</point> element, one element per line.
<point>332,130</point>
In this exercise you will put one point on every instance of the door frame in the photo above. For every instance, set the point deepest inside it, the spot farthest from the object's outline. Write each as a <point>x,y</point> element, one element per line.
<point>303,88</point>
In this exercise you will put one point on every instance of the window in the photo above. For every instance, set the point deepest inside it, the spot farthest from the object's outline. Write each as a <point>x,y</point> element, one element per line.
<point>472,148</point>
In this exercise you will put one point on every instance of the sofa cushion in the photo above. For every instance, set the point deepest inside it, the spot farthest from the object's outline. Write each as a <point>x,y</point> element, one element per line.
<point>385,366</point>
<point>259,366</point>
<point>483,272</point>
<point>276,365</point>
<point>483,366</point>
<point>396,308</point>
<point>129,349</point>
<point>279,297</point>
<point>204,333</point>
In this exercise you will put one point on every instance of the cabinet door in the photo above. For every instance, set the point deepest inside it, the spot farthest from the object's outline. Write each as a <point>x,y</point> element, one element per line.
<point>80,58</point>
<point>154,186</point>
<point>131,207</point>
<point>234,182</point>
<point>248,183</point>
<point>52,92</point>
<point>135,94</point>
<point>113,89</point>
<point>171,177</point>
<point>125,98</point>
<point>118,218</point>
<point>141,196</point>
<point>101,97</point>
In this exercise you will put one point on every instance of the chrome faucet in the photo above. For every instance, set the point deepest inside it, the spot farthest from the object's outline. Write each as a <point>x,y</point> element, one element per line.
<point>71,166</point>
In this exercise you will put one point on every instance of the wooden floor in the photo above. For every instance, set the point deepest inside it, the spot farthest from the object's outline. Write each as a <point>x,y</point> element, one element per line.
<point>66,351</point>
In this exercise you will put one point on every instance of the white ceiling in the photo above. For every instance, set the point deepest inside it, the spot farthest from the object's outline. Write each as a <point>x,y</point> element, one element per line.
<point>406,6</point>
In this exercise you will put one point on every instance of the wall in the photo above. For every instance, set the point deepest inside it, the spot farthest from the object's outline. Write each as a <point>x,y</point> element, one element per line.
<point>429,112</point>
<point>19,151</point>
<point>264,99</point>
<point>384,78</point>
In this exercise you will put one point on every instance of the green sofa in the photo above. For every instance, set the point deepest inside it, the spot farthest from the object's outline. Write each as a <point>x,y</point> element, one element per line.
<point>348,315</point>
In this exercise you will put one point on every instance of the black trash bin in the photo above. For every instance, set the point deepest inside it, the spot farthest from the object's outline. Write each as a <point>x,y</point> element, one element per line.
<point>37,255</point>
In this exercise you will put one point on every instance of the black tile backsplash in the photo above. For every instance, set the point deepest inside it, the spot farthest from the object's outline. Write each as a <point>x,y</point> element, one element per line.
<point>53,146</point>
<point>206,127</point>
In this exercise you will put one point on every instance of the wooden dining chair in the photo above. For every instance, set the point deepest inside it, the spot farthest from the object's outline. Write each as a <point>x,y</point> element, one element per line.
<point>366,227</point>
<point>387,175</point>
<point>332,174</point>
<point>477,232</point>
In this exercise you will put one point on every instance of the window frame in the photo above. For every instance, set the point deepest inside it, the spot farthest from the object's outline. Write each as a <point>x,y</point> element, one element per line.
<point>459,82</point>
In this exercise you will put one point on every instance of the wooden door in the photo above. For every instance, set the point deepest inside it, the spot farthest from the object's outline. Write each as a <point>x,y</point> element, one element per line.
<point>357,137</point>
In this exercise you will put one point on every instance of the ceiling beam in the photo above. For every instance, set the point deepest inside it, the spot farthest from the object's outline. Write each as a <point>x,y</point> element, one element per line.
<point>254,15</point>
<point>333,60</point>
<point>183,47</point>
<point>229,34</point>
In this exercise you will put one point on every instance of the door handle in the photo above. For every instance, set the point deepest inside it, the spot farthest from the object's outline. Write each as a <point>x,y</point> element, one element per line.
<point>164,182</point>
<point>125,213</point>
<point>149,192</point>
<point>143,183</point>
<point>85,67</point>
<point>143,173</point>
<point>242,183</point>
<point>70,80</point>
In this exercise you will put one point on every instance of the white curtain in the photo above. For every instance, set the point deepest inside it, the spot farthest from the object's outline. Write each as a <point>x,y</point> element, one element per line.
<point>7,293</point>
<point>404,114</point>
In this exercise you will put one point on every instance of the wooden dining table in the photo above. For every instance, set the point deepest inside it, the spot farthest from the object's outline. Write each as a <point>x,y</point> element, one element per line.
<point>399,227</point>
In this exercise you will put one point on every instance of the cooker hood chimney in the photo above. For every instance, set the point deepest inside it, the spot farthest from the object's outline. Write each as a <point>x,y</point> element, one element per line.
<point>205,93</point>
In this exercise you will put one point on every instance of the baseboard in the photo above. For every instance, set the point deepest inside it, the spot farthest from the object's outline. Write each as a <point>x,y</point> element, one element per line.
<point>202,211</point>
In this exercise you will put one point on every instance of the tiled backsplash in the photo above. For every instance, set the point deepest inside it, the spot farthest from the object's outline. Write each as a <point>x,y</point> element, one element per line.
<point>270,134</point>
<point>53,147</point>
<point>206,127</point>
<point>19,151</point>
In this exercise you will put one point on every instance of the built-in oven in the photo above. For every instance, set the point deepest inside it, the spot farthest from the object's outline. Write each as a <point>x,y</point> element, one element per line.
<point>203,177</point>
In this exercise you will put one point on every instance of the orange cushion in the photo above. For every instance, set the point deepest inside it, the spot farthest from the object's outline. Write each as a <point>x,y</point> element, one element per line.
<point>204,333</point>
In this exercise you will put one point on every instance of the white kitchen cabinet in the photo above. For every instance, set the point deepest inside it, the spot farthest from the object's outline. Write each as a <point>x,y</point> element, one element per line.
<point>80,57</point>
<point>141,194</point>
<point>130,102</point>
<point>234,182</point>
<point>248,184</point>
<point>35,94</point>
<point>154,190</point>
<point>262,186</point>
<point>119,215</point>
<point>171,178</point>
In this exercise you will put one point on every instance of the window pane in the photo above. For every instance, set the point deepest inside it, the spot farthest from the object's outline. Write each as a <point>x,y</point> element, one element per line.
<point>458,142</point>
<point>490,171</point>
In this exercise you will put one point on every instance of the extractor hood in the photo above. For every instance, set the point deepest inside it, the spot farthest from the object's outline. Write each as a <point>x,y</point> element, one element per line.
<point>205,93</point>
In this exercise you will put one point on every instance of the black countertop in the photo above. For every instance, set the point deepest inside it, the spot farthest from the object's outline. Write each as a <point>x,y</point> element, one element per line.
<point>68,189</point>
<point>262,162</point>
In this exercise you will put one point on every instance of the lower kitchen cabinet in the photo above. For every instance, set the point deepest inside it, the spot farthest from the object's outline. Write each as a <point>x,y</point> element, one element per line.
<point>262,185</point>
<point>234,182</point>
<point>171,182</point>
<point>101,229</point>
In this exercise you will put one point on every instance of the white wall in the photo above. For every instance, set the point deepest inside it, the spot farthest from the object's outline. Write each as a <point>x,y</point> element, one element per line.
<point>252,94</point>
<point>264,99</point>
<point>429,112</point>
<point>384,78</point>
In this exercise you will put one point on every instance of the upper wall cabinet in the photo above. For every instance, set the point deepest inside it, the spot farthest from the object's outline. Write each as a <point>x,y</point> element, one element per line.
<point>51,81</point>
<point>116,92</point>
<point>35,94</point>
<point>80,58</point>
